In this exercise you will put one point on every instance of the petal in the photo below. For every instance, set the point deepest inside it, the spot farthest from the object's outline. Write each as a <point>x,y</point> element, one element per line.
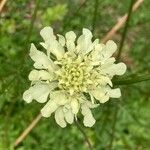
<point>27,96</point>
<point>47,34</point>
<point>104,99</point>
<point>49,108</point>
<point>85,109</point>
<point>108,50</point>
<point>61,40</point>
<point>51,44</point>
<point>105,64</point>
<point>40,75</point>
<point>88,120</point>
<point>39,92</point>
<point>95,54</point>
<point>114,93</point>
<point>96,42</point>
<point>120,69</point>
<point>40,59</point>
<point>70,42</point>
<point>91,45</point>
<point>97,93</point>
<point>59,117</point>
<point>34,75</point>
<point>80,43</point>
<point>69,116</point>
<point>59,97</point>
<point>56,49</point>
<point>103,94</point>
<point>87,42</point>
<point>111,47</point>
<point>114,69</point>
<point>88,33</point>
<point>104,80</point>
<point>84,43</point>
<point>43,44</point>
<point>100,94</point>
<point>74,106</point>
<point>91,105</point>
<point>70,36</point>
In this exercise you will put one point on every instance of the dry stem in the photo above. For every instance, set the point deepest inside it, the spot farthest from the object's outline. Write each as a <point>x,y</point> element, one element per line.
<point>120,22</point>
<point>27,130</point>
<point>2,3</point>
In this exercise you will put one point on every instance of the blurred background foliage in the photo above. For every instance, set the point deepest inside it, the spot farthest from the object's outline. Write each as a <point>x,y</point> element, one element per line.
<point>128,129</point>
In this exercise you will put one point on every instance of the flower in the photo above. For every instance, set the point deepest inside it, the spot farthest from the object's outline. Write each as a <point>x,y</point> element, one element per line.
<point>74,75</point>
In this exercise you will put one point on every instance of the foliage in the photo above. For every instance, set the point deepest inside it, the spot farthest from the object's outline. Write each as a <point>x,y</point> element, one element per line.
<point>55,13</point>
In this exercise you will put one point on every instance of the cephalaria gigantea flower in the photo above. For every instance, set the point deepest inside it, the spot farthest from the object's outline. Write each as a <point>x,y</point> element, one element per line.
<point>73,75</point>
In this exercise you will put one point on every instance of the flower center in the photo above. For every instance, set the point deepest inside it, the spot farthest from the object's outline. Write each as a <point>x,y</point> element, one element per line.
<point>74,75</point>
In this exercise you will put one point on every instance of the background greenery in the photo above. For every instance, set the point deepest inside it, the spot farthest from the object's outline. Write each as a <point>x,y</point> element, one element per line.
<point>128,129</point>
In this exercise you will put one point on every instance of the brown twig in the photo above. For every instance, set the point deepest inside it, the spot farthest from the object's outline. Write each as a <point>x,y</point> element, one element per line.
<point>110,34</point>
<point>120,22</point>
<point>27,130</point>
<point>2,3</point>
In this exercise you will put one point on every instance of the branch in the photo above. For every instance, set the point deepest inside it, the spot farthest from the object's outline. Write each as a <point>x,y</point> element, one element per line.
<point>27,130</point>
<point>2,5</point>
<point>121,22</point>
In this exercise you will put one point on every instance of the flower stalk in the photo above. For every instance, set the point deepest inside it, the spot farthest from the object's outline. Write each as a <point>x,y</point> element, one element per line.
<point>118,58</point>
<point>125,30</point>
<point>131,80</point>
<point>84,134</point>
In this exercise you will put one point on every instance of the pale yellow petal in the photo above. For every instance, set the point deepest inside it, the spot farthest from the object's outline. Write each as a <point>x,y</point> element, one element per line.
<point>40,59</point>
<point>69,116</point>
<point>47,34</point>
<point>40,75</point>
<point>49,108</point>
<point>61,39</point>
<point>59,117</point>
<point>114,69</point>
<point>88,120</point>
<point>59,97</point>
<point>75,106</point>
<point>38,92</point>
<point>114,93</point>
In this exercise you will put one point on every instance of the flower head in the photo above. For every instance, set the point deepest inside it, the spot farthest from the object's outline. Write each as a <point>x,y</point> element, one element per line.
<point>73,75</point>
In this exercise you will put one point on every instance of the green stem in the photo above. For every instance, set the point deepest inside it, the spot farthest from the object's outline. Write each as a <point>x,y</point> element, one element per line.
<point>33,20</point>
<point>125,31</point>
<point>95,15</point>
<point>84,134</point>
<point>113,127</point>
<point>24,54</point>
<point>118,58</point>
<point>67,20</point>
<point>131,80</point>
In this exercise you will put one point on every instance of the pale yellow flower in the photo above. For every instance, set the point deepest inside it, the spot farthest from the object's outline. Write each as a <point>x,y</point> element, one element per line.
<point>74,75</point>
